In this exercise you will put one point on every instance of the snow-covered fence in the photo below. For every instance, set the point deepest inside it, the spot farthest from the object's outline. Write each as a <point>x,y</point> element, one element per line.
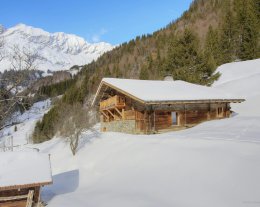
<point>6,144</point>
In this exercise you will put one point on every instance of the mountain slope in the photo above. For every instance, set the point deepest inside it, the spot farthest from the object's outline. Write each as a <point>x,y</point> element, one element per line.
<point>189,48</point>
<point>242,79</point>
<point>213,164</point>
<point>59,51</point>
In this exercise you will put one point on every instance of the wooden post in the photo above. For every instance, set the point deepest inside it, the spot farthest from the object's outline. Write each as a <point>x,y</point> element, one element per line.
<point>123,114</point>
<point>135,120</point>
<point>111,113</point>
<point>105,115</point>
<point>37,190</point>
<point>226,114</point>
<point>154,121</point>
<point>149,124</point>
<point>208,113</point>
<point>145,122</point>
<point>30,198</point>
<point>118,112</point>
<point>185,114</point>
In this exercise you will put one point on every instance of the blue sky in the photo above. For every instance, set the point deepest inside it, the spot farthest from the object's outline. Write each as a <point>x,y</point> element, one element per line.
<point>113,21</point>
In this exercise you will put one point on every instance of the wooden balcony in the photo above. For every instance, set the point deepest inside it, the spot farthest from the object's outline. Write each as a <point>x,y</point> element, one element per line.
<point>113,102</point>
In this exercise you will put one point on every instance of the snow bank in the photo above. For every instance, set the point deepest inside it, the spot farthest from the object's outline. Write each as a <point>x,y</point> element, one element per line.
<point>242,79</point>
<point>214,164</point>
<point>237,70</point>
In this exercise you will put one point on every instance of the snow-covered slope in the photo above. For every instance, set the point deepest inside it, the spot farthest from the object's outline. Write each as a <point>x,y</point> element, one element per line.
<point>26,123</point>
<point>198,167</point>
<point>213,164</point>
<point>242,79</point>
<point>59,51</point>
<point>237,70</point>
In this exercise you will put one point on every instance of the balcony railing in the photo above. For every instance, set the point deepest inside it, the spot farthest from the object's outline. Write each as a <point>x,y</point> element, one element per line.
<point>113,102</point>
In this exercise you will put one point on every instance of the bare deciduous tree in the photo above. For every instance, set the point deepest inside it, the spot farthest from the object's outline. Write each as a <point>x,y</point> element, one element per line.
<point>76,120</point>
<point>23,60</point>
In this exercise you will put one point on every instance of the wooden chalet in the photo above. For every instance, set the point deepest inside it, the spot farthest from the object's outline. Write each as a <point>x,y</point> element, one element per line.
<point>144,106</point>
<point>22,174</point>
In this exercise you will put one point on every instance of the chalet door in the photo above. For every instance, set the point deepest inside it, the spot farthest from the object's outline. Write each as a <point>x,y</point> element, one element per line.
<point>174,118</point>
<point>220,112</point>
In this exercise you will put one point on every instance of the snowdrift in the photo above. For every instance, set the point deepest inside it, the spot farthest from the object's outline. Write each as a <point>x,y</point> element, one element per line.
<point>242,79</point>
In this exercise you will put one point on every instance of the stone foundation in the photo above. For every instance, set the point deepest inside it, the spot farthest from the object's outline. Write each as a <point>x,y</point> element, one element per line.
<point>125,126</point>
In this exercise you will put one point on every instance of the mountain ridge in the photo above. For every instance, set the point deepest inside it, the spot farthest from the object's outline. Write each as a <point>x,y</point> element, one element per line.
<point>58,51</point>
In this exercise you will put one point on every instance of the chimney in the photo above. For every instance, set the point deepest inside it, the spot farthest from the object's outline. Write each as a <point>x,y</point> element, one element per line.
<point>168,77</point>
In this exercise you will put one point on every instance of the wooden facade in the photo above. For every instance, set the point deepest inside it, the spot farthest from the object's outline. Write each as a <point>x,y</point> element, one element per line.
<point>120,111</point>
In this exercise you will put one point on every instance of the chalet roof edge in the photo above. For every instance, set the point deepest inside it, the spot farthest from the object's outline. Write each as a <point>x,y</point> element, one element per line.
<point>150,102</point>
<point>103,81</point>
<point>11,187</point>
<point>196,101</point>
<point>95,97</point>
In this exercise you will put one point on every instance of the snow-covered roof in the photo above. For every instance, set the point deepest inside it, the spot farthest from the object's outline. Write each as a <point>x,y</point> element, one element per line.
<point>158,91</point>
<point>19,169</point>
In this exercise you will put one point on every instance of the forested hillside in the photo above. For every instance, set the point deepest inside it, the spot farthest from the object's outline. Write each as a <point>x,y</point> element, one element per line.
<point>210,33</point>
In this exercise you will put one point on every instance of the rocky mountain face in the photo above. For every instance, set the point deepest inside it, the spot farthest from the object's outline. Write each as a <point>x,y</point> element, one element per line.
<point>2,29</point>
<point>57,51</point>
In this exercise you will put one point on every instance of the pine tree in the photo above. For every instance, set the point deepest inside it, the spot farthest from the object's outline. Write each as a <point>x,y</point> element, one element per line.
<point>116,71</point>
<point>107,72</point>
<point>227,36</point>
<point>246,21</point>
<point>144,73</point>
<point>184,59</point>
<point>212,47</point>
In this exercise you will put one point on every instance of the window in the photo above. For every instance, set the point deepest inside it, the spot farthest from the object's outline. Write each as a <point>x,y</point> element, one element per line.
<point>174,118</point>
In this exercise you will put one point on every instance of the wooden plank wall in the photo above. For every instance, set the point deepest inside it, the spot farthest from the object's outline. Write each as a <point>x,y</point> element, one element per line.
<point>22,191</point>
<point>153,118</point>
<point>188,115</point>
<point>195,117</point>
<point>162,120</point>
<point>21,203</point>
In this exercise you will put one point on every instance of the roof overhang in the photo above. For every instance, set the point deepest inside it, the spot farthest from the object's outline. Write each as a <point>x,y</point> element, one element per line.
<point>12,187</point>
<point>104,85</point>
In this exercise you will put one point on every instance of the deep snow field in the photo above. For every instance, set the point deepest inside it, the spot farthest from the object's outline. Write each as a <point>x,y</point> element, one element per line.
<point>215,164</point>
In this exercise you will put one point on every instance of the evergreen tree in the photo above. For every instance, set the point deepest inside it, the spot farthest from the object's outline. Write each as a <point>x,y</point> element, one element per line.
<point>212,47</point>
<point>117,72</point>
<point>227,36</point>
<point>247,23</point>
<point>184,58</point>
<point>107,72</point>
<point>144,75</point>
